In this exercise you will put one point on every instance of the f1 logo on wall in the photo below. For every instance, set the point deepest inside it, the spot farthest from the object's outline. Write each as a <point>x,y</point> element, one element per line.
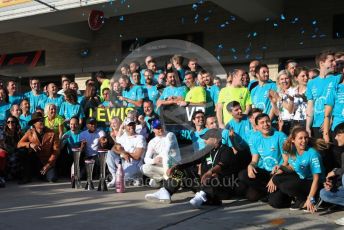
<point>33,59</point>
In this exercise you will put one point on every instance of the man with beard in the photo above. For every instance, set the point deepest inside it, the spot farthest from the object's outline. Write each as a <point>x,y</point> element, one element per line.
<point>196,94</point>
<point>150,91</point>
<point>172,94</point>
<point>132,95</point>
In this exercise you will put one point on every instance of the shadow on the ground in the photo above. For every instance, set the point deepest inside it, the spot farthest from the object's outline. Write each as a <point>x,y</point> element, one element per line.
<point>59,206</point>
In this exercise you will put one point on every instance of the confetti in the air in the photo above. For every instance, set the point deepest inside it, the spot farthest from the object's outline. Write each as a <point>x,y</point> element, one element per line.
<point>295,20</point>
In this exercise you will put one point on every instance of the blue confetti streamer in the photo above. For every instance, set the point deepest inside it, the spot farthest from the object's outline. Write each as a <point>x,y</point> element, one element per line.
<point>282,17</point>
<point>218,57</point>
<point>295,20</point>
<point>314,36</point>
<point>194,6</point>
<point>121,18</point>
<point>233,50</point>
<point>314,22</point>
<point>220,46</point>
<point>233,18</point>
<point>206,19</point>
<point>275,25</point>
<point>196,18</point>
<point>255,34</point>
<point>235,57</point>
<point>222,25</point>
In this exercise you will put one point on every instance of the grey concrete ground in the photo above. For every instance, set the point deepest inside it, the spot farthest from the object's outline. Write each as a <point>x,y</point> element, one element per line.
<point>57,206</point>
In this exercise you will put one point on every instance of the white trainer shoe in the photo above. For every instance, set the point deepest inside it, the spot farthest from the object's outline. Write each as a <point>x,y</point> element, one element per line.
<point>199,199</point>
<point>112,183</point>
<point>340,221</point>
<point>161,196</point>
<point>154,183</point>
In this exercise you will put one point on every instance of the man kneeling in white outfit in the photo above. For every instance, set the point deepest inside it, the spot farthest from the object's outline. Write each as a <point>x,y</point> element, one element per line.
<point>162,153</point>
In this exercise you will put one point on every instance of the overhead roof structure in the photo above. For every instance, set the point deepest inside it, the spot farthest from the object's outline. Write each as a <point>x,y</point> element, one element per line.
<point>58,19</point>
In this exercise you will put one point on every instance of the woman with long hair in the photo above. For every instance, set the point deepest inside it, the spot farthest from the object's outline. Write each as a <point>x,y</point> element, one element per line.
<point>300,100</point>
<point>91,99</point>
<point>71,108</point>
<point>11,135</point>
<point>301,174</point>
<point>4,106</point>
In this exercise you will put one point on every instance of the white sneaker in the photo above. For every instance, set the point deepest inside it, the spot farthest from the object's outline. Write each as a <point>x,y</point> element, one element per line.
<point>199,199</point>
<point>137,182</point>
<point>340,221</point>
<point>112,183</point>
<point>161,196</point>
<point>154,183</point>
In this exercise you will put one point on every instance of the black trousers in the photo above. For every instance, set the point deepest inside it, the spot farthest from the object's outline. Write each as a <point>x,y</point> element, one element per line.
<point>254,188</point>
<point>326,155</point>
<point>64,163</point>
<point>217,188</point>
<point>289,186</point>
<point>32,167</point>
<point>301,123</point>
<point>337,152</point>
<point>287,126</point>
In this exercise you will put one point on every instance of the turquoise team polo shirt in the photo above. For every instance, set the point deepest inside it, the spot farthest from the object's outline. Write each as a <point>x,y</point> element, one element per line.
<point>260,96</point>
<point>134,93</point>
<point>335,99</point>
<point>269,149</point>
<point>307,164</point>
<point>35,100</point>
<point>317,91</point>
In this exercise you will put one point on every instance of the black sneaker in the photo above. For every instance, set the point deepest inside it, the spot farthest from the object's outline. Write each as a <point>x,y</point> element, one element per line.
<point>24,181</point>
<point>297,205</point>
<point>265,199</point>
<point>2,182</point>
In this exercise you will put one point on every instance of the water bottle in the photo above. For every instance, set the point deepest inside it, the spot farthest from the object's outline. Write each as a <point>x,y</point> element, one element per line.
<point>120,178</point>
